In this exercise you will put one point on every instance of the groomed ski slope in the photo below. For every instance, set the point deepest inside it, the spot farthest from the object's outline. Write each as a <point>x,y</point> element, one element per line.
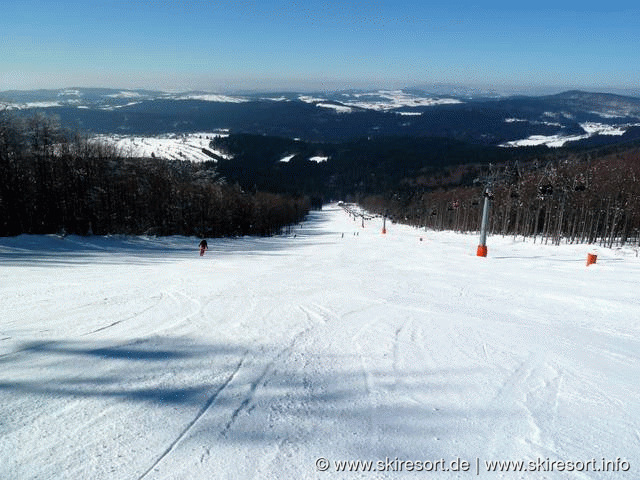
<point>134,358</point>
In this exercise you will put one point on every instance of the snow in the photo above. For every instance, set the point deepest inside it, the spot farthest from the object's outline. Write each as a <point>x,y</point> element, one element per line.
<point>409,114</point>
<point>514,120</point>
<point>385,100</point>
<point>310,99</point>
<point>125,94</point>
<point>287,159</point>
<point>70,93</point>
<point>336,107</point>
<point>594,128</point>
<point>318,159</point>
<point>611,115</point>
<point>557,140</point>
<point>130,104</point>
<point>27,105</point>
<point>618,111</point>
<point>532,122</point>
<point>171,146</point>
<point>381,100</point>
<point>40,105</point>
<point>213,97</point>
<point>133,357</point>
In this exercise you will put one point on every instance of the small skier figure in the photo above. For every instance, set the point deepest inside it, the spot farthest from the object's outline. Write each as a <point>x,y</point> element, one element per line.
<point>203,247</point>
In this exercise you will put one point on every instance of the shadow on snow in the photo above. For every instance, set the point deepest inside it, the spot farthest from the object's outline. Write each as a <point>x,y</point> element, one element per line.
<point>54,250</point>
<point>246,394</point>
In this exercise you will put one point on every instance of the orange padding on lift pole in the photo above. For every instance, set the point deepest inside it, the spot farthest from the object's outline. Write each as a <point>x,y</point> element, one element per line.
<point>591,258</point>
<point>482,251</point>
<point>384,230</point>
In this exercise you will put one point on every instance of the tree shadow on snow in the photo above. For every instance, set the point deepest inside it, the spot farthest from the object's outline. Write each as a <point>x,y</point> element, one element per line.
<point>54,250</point>
<point>245,394</point>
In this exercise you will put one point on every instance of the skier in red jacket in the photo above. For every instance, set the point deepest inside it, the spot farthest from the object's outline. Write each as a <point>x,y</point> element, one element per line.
<point>203,247</point>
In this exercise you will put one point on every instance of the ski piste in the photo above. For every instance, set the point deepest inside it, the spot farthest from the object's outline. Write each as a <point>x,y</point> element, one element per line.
<point>133,357</point>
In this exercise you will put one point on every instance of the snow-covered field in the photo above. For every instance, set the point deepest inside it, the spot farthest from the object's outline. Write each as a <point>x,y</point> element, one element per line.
<point>189,146</point>
<point>134,358</point>
<point>559,140</point>
<point>382,100</point>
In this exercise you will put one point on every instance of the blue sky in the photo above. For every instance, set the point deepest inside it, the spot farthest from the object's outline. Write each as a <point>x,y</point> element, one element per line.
<point>275,44</point>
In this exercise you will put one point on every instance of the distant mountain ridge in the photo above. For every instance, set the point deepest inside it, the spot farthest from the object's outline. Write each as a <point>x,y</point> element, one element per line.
<point>555,120</point>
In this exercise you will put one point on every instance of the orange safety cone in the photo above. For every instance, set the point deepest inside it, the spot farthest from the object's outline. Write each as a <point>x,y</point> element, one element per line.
<point>591,258</point>
<point>482,251</point>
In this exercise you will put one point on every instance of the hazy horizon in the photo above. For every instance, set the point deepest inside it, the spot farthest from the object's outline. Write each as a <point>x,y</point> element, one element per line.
<point>434,88</point>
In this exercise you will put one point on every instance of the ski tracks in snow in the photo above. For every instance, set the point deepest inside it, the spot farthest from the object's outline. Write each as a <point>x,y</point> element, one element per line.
<point>316,346</point>
<point>241,387</point>
<point>118,322</point>
<point>207,405</point>
<point>525,398</point>
<point>260,380</point>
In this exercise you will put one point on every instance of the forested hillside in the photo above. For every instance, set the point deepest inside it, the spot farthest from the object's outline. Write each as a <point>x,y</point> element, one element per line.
<point>361,166</point>
<point>570,117</point>
<point>51,183</point>
<point>575,194</point>
<point>583,197</point>
<point>54,182</point>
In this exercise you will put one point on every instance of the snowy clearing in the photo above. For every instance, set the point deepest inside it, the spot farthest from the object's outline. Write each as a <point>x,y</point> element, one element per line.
<point>594,128</point>
<point>382,100</point>
<point>318,159</point>
<point>287,159</point>
<point>213,97</point>
<point>385,100</point>
<point>134,358</point>
<point>338,108</point>
<point>23,106</point>
<point>559,140</point>
<point>548,140</point>
<point>192,147</point>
